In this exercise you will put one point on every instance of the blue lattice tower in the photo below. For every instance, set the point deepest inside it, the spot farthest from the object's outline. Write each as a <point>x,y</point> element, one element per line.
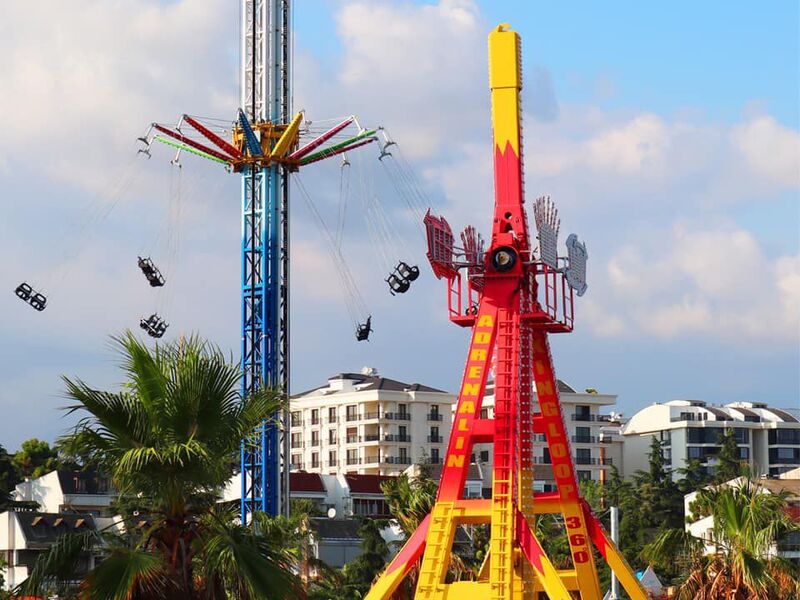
<point>265,98</point>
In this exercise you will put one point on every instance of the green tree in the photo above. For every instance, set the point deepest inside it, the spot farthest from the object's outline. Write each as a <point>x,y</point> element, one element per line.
<point>729,461</point>
<point>748,521</point>
<point>35,458</point>
<point>361,572</point>
<point>9,476</point>
<point>167,439</point>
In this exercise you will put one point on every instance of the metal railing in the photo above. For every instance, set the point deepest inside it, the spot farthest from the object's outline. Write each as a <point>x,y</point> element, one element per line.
<point>435,439</point>
<point>394,416</point>
<point>396,437</point>
<point>396,460</point>
<point>434,416</point>
<point>372,437</point>
<point>583,417</point>
<point>584,439</point>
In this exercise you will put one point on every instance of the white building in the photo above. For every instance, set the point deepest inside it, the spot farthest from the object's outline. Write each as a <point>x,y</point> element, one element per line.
<point>83,492</point>
<point>25,535</point>
<point>789,548</point>
<point>367,424</point>
<point>594,437</point>
<point>768,438</point>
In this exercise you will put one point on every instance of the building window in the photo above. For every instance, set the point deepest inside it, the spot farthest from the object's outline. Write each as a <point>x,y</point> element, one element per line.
<point>583,456</point>
<point>352,435</point>
<point>402,409</point>
<point>315,460</point>
<point>296,461</point>
<point>484,456</point>
<point>296,420</point>
<point>434,415</point>
<point>546,456</point>
<point>403,452</point>
<point>352,457</point>
<point>583,435</point>
<point>584,475</point>
<point>784,436</point>
<point>315,438</point>
<point>744,452</point>
<point>332,436</point>
<point>484,413</point>
<point>435,456</point>
<point>403,434</point>
<point>582,413</point>
<point>297,440</point>
<point>666,437</point>
<point>351,412</point>
<point>315,416</point>
<point>434,437</point>
<point>332,462</point>
<point>332,414</point>
<point>787,456</point>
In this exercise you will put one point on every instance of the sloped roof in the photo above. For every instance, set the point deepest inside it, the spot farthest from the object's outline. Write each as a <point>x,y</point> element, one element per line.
<point>300,481</point>
<point>42,529</point>
<point>336,529</point>
<point>366,484</point>
<point>375,382</point>
<point>87,481</point>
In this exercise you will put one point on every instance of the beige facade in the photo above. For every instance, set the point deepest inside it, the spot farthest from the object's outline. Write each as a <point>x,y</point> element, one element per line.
<point>367,424</point>
<point>593,436</point>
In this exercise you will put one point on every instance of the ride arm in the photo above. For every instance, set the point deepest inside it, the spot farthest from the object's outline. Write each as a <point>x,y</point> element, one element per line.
<point>190,142</point>
<point>288,138</point>
<point>213,137</point>
<point>361,139</point>
<point>186,148</point>
<point>317,142</point>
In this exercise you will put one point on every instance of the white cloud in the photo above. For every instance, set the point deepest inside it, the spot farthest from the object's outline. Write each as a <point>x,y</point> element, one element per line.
<point>771,150</point>
<point>697,281</point>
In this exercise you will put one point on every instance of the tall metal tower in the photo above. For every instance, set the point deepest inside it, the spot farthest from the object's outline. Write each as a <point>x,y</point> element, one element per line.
<point>266,99</point>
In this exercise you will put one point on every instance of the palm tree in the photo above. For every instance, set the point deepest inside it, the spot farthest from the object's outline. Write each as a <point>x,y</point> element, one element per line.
<point>168,439</point>
<point>748,522</point>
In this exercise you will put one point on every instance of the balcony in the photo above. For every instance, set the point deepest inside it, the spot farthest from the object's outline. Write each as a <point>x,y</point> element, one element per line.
<point>315,421</point>
<point>397,416</point>
<point>314,443</point>
<point>333,419</point>
<point>295,466</point>
<point>591,460</point>
<point>371,416</point>
<point>435,460</point>
<point>297,422</point>
<point>583,417</point>
<point>352,439</point>
<point>434,416</point>
<point>352,461</point>
<point>315,464</point>
<point>541,460</point>
<point>396,460</point>
<point>372,460</point>
<point>296,445</point>
<point>435,439</point>
<point>350,417</point>
<point>372,437</point>
<point>584,439</point>
<point>396,437</point>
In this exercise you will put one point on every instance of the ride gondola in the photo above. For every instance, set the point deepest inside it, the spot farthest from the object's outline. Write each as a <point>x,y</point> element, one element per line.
<point>27,294</point>
<point>154,325</point>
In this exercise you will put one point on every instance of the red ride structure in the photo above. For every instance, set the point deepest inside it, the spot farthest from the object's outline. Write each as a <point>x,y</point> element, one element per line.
<point>512,296</point>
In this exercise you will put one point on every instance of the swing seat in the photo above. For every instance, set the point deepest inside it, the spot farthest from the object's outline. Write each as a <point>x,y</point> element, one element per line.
<point>363,331</point>
<point>38,301</point>
<point>151,272</point>
<point>397,284</point>
<point>154,325</point>
<point>23,291</point>
<point>407,272</point>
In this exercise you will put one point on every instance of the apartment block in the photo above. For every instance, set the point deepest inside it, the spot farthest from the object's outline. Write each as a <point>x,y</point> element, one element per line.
<point>367,424</point>
<point>768,437</point>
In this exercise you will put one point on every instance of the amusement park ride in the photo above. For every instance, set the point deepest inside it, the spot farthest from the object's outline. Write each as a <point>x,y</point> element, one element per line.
<point>512,297</point>
<point>511,294</point>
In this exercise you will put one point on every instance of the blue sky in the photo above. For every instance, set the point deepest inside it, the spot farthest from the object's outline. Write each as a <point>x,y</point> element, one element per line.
<point>667,135</point>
